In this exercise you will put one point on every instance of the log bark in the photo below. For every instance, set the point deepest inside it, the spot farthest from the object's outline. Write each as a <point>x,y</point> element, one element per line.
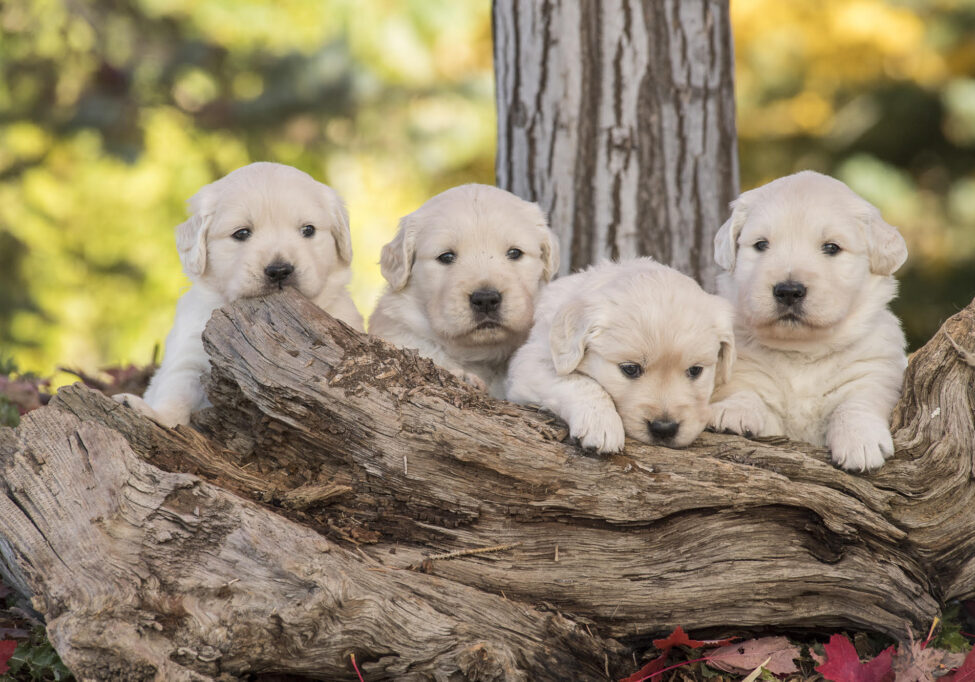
<point>618,117</point>
<point>149,575</point>
<point>381,463</point>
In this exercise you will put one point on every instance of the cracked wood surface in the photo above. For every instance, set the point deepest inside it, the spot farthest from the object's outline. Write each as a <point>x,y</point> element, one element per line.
<point>387,460</point>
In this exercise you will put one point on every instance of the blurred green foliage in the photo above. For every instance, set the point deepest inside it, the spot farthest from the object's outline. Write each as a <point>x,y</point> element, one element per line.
<point>36,660</point>
<point>112,114</point>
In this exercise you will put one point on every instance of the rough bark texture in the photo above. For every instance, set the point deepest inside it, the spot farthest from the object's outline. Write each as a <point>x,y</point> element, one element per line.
<point>158,554</point>
<point>618,117</point>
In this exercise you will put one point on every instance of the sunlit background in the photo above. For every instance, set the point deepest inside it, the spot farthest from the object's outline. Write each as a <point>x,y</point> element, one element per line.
<point>114,113</point>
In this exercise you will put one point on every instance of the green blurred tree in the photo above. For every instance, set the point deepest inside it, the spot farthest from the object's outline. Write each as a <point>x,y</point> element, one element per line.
<point>114,113</point>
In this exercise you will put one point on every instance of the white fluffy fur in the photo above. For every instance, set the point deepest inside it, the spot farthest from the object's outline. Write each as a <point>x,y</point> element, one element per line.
<point>275,202</point>
<point>832,376</point>
<point>636,311</point>
<point>427,305</point>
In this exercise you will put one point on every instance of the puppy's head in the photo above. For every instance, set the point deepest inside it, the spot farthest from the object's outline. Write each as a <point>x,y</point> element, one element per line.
<point>803,254</point>
<point>474,258</point>
<point>263,227</point>
<point>656,342</point>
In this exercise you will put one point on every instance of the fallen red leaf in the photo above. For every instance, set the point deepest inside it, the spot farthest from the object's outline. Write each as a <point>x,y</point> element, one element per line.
<point>6,651</point>
<point>744,657</point>
<point>679,638</point>
<point>843,664</point>
<point>654,666</point>
<point>966,673</point>
<point>676,638</point>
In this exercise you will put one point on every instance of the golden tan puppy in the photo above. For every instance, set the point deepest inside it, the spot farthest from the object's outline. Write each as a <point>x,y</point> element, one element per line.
<point>820,357</point>
<point>632,348</point>
<point>262,227</point>
<point>463,273</point>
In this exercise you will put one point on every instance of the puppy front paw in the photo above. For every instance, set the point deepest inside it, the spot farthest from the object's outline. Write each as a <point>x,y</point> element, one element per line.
<point>739,414</point>
<point>168,419</point>
<point>470,379</point>
<point>859,443</point>
<point>597,427</point>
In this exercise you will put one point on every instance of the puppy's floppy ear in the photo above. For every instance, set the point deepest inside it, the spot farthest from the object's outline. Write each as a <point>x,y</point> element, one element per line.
<point>885,245</point>
<point>571,328</point>
<point>338,224</point>
<point>549,246</point>
<point>191,243</point>
<point>396,261</point>
<point>726,240</point>
<point>727,355</point>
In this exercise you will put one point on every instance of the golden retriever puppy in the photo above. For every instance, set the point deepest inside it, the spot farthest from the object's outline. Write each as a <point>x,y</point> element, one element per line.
<point>464,270</point>
<point>820,357</point>
<point>626,349</point>
<point>260,228</point>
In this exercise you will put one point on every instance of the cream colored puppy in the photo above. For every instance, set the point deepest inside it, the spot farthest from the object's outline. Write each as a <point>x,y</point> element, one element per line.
<point>626,349</point>
<point>820,357</point>
<point>260,228</point>
<point>463,273</point>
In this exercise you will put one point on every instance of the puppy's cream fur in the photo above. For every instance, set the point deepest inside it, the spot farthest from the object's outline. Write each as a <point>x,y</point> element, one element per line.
<point>428,305</point>
<point>275,202</point>
<point>828,372</point>
<point>590,324</point>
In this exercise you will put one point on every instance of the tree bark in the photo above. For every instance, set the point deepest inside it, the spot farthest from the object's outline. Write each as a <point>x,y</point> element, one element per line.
<point>618,117</point>
<point>383,464</point>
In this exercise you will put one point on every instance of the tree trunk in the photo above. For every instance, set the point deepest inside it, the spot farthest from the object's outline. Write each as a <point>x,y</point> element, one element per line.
<point>618,117</point>
<point>437,533</point>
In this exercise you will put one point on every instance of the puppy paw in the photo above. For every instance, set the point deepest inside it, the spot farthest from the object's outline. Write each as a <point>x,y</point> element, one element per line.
<point>597,427</point>
<point>470,379</point>
<point>164,418</point>
<point>860,443</point>
<point>739,414</point>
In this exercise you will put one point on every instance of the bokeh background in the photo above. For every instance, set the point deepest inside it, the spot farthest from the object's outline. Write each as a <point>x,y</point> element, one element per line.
<point>114,112</point>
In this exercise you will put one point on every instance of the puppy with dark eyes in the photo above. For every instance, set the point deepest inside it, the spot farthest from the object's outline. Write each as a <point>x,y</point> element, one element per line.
<point>626,349</point>
<point>262,227</point>
<point>820,357</point>
<point>464,270</point>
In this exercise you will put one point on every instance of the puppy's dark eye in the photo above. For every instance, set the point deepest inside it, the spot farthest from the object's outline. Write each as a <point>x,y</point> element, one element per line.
<point>242,235</point>
<point>447,257</point>
<point>631,369</point>
<point>514,254</point>
<point>761,245</point>
<point>831,248</point>
<point>307,230</point>
<point>694,371</point>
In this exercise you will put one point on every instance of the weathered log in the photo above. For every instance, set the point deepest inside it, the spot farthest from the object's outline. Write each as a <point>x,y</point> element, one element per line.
<point>366,443</point>
<point>144,574</point>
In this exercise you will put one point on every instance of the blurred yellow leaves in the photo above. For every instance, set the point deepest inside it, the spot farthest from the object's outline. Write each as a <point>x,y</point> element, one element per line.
<point>834,73</point>
<point>96,221</point>
<point>809,51</point>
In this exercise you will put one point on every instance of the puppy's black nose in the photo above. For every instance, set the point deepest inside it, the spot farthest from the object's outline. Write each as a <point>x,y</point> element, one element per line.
<point>486,300</point>
<point>278,272</point>
<point>663,429</point>
<point>789,293</point>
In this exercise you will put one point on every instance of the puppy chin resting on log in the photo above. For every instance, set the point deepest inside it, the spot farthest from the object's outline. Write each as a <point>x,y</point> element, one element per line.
<point>633,348</point>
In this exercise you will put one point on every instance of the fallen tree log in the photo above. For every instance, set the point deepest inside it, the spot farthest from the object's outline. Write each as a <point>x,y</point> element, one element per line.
<point>379,450</point>
<point>145,574</point>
